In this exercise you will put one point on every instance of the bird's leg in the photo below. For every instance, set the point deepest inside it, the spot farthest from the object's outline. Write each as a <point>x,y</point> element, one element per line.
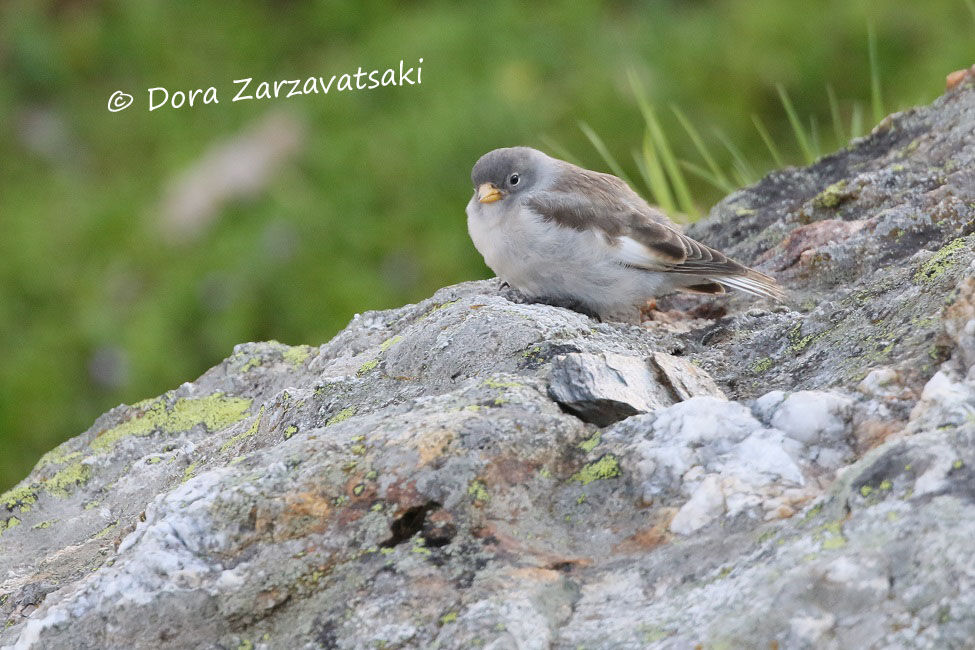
<point>570,304</point>
<point>511,294</point>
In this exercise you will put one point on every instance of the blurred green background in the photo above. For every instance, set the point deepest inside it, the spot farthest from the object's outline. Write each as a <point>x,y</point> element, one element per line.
<point>129,264</point>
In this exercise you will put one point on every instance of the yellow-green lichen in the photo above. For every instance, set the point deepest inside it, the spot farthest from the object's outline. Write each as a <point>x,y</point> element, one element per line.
<point>253,362</point>
<point>437,308</point>
<point>761,365</point>
<point>246,434</point>
<point>478,491</point>
<point>341,416</point>
<point>43,524</point>
<point>449,617</point>
<point>390,342</point>
<point>358,450</point>
<point>213,411</point>
<point>72,475</point>
<point>532,353</point>
<point>497,383</point>
<point>941,262</point>
<point>371,475</point>
<point>833,195</point>
<point>591,443</point>
<point>22,497</point>
<point>188,472</point>
<point>358,489</point>
<point>832,536</point>
<point>865,490</point>
<point>377,507</point>
<point>58,456</point>
<point>297,355</point>
<point>798,342</point>
<point>886,485</point>
<point>289,431</point>
<point>12,522</point>
<point>106,530</point>
<point>606,467</point>
<point>246,644</point>
<point>958,464</point>
<point>420,546</point>
<point>367,366</point>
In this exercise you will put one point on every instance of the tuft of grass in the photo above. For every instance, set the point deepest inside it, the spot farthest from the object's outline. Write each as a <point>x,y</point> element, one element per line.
<point>663,174</point>
<point>665,152</point>
<point>653,174</point>
<point>720,180</point>
<point>797,129</point>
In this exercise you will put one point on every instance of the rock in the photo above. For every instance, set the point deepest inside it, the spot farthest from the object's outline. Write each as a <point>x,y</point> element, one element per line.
<point>605,388</point>
<point>748,476</point>
<point>705,504</point>
<point>684,379</point>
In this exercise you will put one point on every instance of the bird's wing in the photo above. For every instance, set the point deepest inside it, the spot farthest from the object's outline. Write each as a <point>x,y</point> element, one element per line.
<point>639,235</point>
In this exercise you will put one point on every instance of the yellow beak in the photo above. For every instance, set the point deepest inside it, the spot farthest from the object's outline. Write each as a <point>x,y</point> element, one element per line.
<point>488,193</point>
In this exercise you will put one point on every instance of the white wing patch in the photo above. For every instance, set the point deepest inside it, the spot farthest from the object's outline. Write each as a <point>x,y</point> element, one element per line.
<point>632,253</point>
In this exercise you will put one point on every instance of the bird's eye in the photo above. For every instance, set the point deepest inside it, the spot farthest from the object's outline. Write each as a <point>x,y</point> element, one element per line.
<point>513,179</point>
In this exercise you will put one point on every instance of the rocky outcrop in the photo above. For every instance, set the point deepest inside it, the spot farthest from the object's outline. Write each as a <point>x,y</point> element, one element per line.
<point>474,472</point>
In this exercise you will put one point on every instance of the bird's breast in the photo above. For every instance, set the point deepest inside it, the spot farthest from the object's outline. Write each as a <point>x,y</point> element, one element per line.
<point>537,256</point>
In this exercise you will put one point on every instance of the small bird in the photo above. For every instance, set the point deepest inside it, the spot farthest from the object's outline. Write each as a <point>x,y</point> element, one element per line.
<point>568,235</point>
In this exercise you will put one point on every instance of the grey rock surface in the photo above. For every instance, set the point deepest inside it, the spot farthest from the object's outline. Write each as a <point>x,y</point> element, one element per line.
<point>797,475</point>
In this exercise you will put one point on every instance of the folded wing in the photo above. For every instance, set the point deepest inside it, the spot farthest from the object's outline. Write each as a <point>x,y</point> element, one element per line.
<point>639,235</point>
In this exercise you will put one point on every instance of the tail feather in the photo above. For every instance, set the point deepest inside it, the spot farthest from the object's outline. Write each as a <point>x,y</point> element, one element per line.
<point>753,282</point>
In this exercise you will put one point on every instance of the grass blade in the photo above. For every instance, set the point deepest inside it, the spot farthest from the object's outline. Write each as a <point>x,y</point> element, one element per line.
<point>746,173</point>
<point>559,150</point>
<point>600,146</point>
<point>834,112</point>
<point>641,167</point>
<point>767,139</point>
<point>665,153</point>
<point>702,149</point>
<point>801,138</point>
<point>657,178</point>
<point>856,121</point>
<point>722,184</point>
<point>971,7</point>
<point>814,136</point>
<point>876,101</point>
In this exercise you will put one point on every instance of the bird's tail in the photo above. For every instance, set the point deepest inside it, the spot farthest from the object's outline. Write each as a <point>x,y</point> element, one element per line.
<point>753,282</point>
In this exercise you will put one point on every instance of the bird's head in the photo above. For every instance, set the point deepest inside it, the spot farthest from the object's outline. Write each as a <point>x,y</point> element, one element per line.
<point>502,173</point>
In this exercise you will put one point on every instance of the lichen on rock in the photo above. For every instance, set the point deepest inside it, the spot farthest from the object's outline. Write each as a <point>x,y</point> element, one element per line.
<point>472,471</point>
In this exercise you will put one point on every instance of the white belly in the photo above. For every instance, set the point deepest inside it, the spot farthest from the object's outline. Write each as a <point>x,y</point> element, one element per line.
<point>545,260</point>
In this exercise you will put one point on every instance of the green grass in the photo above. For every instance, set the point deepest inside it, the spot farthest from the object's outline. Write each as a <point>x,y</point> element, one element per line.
<point>663,174</point>
<point>369,213</point>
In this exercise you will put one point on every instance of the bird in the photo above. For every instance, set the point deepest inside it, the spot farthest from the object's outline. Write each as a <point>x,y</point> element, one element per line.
<point>562,234</point>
